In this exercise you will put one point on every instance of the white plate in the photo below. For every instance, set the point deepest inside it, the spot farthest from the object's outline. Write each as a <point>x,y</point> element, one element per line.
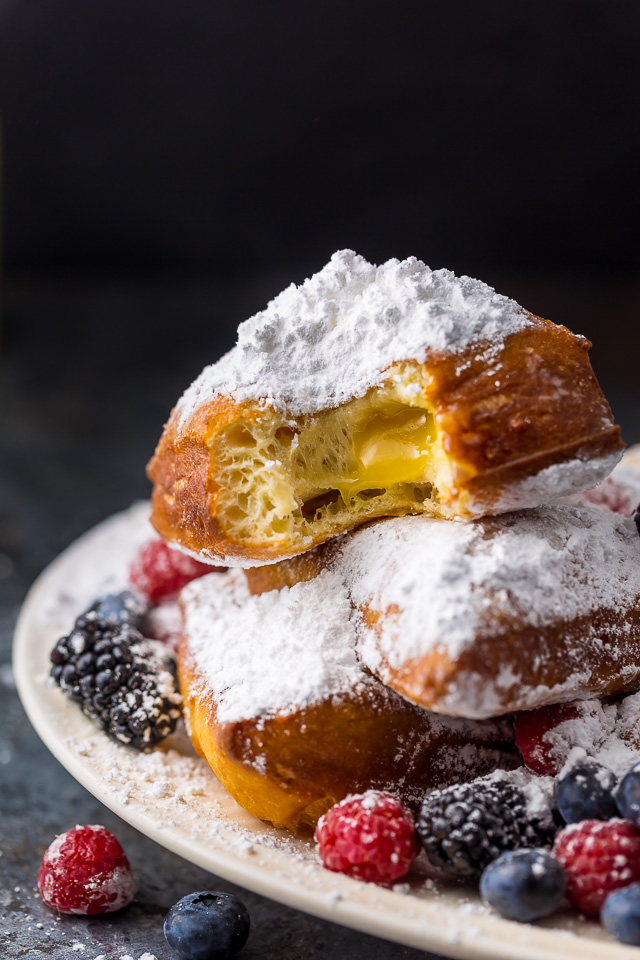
<point>172,796</point>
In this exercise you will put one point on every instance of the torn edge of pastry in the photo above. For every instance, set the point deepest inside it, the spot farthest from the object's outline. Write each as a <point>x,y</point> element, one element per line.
<point>377,391</point>
<point>481,619</point>
<point>290,737</point>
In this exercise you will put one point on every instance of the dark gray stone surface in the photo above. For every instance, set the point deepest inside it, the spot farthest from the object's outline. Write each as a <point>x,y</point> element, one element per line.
<point>88,373</point>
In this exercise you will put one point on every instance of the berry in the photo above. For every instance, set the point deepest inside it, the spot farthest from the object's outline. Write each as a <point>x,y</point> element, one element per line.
<point>621,914</point>
<point>125,607</point>
<point>118,679</point>
<point>158,571</point>
<point>465,827</point>
<point>207,926</point>
<point>610,495</point>
<point>539,751</point>
<point>636,518</point>
<point>370,836</point>
<point>523,884</point>
<point>86,871</point>
<point>628,795</point>
<point>586,793</point>
<point>598,858</point>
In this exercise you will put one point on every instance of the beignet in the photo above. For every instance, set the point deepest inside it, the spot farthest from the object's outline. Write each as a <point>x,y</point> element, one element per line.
<point>377,391</point>
<point>484,618</point>
<point>281,708</point>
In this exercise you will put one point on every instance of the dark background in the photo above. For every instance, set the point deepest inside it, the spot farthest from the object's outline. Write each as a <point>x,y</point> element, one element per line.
<point>170,165</point>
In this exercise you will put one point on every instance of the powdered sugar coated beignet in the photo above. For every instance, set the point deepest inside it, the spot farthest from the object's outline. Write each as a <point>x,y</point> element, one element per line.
<point>501,614</point>
<point>377,391</point>
<point>282,709</point>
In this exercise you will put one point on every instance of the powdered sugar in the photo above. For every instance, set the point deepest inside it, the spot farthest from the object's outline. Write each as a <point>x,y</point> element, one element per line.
<point>273,653</point>
<point>552,483</point>
<point>450,582</point>
<point>438,584</point>
<point>330,339</point>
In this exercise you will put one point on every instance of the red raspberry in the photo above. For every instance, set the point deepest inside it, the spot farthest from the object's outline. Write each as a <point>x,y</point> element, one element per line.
<point>86,871</point>
<point>158,571</point>
<point>598,858</point>
<point>370,837</point>
<point>610,495</point>
<point>540,753</point>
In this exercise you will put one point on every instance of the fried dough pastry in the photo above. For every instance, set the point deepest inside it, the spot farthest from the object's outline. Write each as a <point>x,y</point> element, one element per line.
<point>377,391</point>
<point>484,618</point>
<point>279,705</point>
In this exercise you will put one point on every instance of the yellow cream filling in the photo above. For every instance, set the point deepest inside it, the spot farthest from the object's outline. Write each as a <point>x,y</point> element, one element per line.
<point>375,455</point>
<point>393,447</point>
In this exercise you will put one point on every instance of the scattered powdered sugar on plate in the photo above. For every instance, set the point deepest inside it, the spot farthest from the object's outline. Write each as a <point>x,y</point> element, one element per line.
<point>330,339</point>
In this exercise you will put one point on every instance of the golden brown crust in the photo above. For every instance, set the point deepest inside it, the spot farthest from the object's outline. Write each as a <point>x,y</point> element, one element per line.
<point>291,769</point>
<point>543,408</point>
<point>546,408</point>
<point>598,655</point>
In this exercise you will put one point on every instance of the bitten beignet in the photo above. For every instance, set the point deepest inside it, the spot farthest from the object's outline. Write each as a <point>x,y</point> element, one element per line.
<point>377,391</point>
<point>281,708</point>
<point>484,618</point>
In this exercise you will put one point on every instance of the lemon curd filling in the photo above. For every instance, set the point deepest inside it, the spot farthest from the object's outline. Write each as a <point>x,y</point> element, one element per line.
<point>373,456</point>
<point>393,447</point>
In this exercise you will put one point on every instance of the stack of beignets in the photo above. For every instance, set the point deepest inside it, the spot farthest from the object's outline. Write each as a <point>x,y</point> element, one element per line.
<point>385,656</point>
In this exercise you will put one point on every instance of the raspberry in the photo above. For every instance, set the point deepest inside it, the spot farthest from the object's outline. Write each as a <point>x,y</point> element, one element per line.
<point>610,495</point>
<point>86,871</point>
<point>598,858</point>
<point>370,837</point>
<point>158,571</point>
<point>532,727</point>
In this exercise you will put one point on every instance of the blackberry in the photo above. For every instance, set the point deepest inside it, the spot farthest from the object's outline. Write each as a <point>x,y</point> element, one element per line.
<point>465,827</point>
<point>636,517</point>
<point>122,682</point>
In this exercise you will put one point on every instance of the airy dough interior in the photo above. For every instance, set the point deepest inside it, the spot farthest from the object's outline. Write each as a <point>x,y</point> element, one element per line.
<point>306,477</point>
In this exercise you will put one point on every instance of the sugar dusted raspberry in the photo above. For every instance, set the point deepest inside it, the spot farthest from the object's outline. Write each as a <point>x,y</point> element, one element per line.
<point>539,752</point>
<point>370,837</point>
<point>598,858</point>
<point>86,871</point>
<point>610,495</point>
<point>158,571</point>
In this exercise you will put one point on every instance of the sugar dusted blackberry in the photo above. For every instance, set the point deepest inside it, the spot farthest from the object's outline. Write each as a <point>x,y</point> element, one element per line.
<point>465,827</point>
<point>121,681</point>
<point>636,517</point>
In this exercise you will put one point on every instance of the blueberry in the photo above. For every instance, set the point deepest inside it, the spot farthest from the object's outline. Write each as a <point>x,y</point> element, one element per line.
<point>523,884</point>
<point>125,607</point>
<point>628,795</point>
<point>586,793</point>
<point>621,914</point>
<point>207,926</point>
